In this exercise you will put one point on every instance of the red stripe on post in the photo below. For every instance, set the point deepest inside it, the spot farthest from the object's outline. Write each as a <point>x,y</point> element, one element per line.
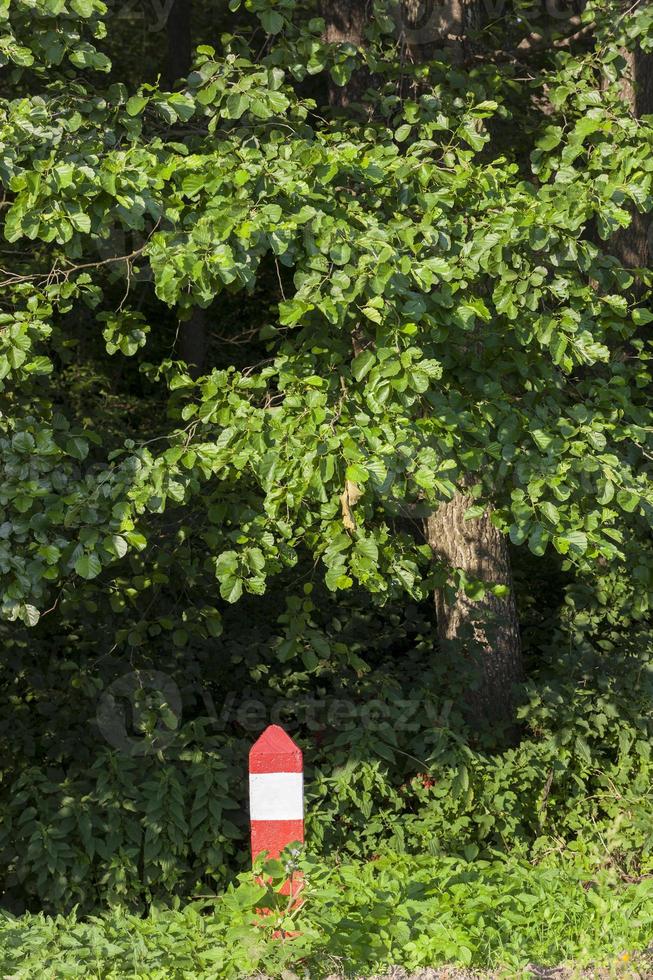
<point>273,835</point>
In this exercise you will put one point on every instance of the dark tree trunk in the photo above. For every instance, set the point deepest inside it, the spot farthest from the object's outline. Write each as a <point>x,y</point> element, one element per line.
<point>632,245</point>
<point>192,339</point>
<point>344,23</point>
<point>192,342</point>
<point>488,630</point>
<point>484,633</point>
<point>178,31</point>
<point>344,20</point>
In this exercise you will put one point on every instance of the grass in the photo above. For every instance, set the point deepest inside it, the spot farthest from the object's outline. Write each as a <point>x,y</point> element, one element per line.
<point>415,912</point>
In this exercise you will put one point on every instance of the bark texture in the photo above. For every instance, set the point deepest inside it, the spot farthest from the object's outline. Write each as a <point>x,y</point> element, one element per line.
<point>344,22</point>
<point>426,27</point>
<point>632,245</point>
<point>485,632</point>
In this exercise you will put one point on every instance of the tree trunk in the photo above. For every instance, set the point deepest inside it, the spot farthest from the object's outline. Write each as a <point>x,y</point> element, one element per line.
<point>192,342</point>
<point>178,31</point>
<point>484,632</point>
<point>632,245</point>
<point>425,28</point>
<point>489,628</point>
<point>344,22</point>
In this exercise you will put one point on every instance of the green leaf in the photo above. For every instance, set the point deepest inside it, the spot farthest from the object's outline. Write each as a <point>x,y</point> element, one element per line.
<point>119,545</point>
<point>340,73</point>
<point>362,364</point>
<point>628,500</point>
<point>231,589</point>
<point>575,540</point>
<point>80,221</point>
<point>538,238</point>
<point>356,473</point>
<point>538,540</point>
<point>136,104</point>
<point>340,253</point>
<point>136,540</point>
<point>77,447</point>
<point>597,440</point>
<point>82,7</point>
<point>236,105</point>
<point>272,21</point>
<point>23,442</point>
<point>88,565</point>
<point>542,439</point>
<point>518,533</point>
<point>550,511</point>
<point>311,661</point>
<point>30,615</point>
<point>642,316</point>
<point>551,138</point>
<point>372,314</point>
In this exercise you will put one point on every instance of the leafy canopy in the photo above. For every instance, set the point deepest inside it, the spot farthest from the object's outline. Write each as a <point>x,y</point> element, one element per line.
<point>444,313</point>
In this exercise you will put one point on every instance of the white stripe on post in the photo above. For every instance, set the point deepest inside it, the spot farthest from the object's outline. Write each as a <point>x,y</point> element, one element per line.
<point>276,796</point>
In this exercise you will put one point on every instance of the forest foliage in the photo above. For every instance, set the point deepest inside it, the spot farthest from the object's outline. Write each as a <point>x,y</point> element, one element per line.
<point>406,230</point>
<point>398,298</point>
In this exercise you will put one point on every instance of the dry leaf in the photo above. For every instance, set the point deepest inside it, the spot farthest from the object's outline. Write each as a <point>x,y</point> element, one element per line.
<point>348,500</point>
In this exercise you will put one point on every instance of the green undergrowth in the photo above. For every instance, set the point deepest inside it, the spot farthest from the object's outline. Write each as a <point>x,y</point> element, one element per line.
<point>392,767</point>
<point>356,917</point>
<point>427,842</point>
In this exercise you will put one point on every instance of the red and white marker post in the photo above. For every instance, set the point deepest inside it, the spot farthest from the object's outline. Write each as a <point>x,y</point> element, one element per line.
<point>276,795</point>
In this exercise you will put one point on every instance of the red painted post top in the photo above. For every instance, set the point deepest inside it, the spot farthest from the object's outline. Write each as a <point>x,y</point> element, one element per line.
<point>275,751</point>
